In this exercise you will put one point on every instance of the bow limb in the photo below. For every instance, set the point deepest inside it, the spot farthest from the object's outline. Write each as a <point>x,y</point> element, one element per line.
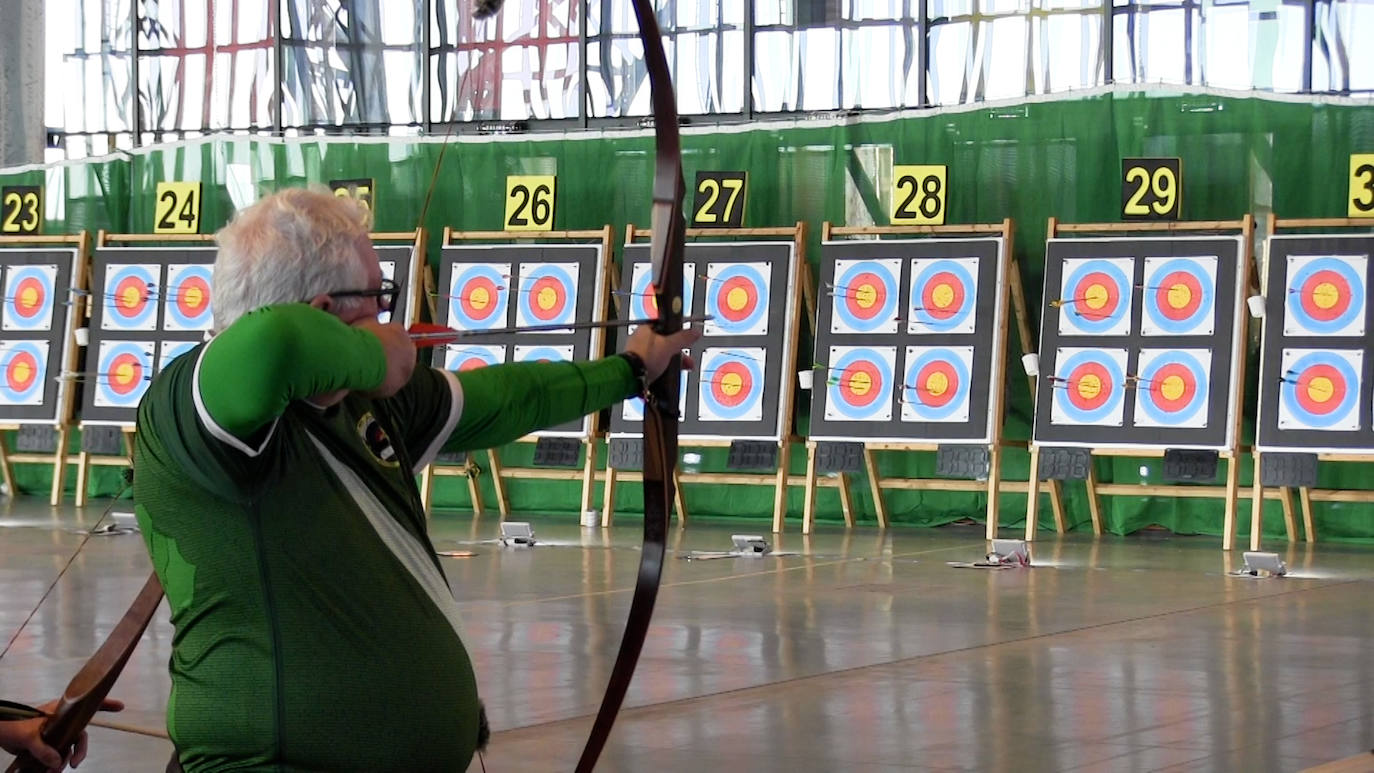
<point>661,405</point>
<point>84,694</point>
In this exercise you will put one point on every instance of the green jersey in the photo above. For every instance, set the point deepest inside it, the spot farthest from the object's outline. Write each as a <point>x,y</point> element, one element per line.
<point>315,629</point>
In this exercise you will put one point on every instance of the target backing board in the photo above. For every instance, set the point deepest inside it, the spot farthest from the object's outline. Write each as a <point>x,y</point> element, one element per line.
<point>496,286</point>
<point>1316,364</point>
<point>36,321</point>
<point>1138,341</point>
<point>906,342</point>
<point>749,289</point>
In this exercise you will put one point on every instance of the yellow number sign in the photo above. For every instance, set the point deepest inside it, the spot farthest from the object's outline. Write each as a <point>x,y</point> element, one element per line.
<point>918,194</point>
<point>363,189</point>
<point>178,208</point>
<point>21,209</point>
<point>529,202</point>
<point>720,199</point>
<point>1151,188</point>
<point>1361,185</point>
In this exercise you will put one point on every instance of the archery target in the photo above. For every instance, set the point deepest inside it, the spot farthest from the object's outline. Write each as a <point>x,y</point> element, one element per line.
<point>25,367</point>
<point>864,296</point>
<point>128,298</point>
<point>944,294</point>
<point>543,353</point>
<point>479,295</point>
<point>737,299</point>
<point>859,383</point>
<point>633,408</point>
<point>548,294</point>
<point>1320,389</point>
<point>1172,388</point>
<point>1089,387</point>
<point>170,350</point>
<point>123,372</point>
<point>936,383</point>
<point>1095,297</point>
<point>188,298</point>
<point>29,300</point>
<point>1325,295</point>
<point>1179,297</point>
<point>461,357</point>
<point>732,383</point>
<point>643,302</point>
<point>388,269</point>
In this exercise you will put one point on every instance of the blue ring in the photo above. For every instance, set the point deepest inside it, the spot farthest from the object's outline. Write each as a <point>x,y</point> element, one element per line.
<point>1123,304</point>
<point>462,274</point>
<point>884,315</point>
<point>532,355</point>
<point>103,382</point>
<point>1065,368</point>
<point>1288,391</point>
<point>1355,309</point>
<point>114,275</point>
<point>760,308</point>
<point>833,390</point>
<point>12,315</point>
<point>1156,314</point>
<point>18,397</point>
<point>970,296</point>
<point>755,372</point>
<point>483,353</point>
<point>526,301</point>
<point>177,348</point>
<point>1200,397</point>
<point>174,311</point>
<point>913,397</point>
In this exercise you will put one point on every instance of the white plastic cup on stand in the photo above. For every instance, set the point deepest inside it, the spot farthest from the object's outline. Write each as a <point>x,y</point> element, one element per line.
<point>83,336</point>
<point>804,378</point>
<point>1031,364</point>
<point>1256,304</point>
<point>591,519</point>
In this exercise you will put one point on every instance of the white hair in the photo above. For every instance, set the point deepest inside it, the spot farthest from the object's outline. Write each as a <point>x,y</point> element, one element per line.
<point>288,247</point>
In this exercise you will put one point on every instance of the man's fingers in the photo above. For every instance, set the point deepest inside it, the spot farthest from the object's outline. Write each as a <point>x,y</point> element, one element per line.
<point>80,753</point>
<point>45,754</point>
<point>110,704</point>
<point>685,337</point>
<point>688,363</point>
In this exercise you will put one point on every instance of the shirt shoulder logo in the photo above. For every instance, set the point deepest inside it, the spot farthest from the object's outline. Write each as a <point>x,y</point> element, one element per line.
<point>376,441</point>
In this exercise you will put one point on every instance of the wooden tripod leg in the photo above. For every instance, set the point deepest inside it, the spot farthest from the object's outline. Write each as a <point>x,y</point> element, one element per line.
<point>1305,500</point>
<point>472,472</point>
<point>608,497</point>
<point>59,467</point>
<point>1033,494</point>
<point>780,485</point>
<point>588,476</point>
<point>678,499</point>
<point>83,477</point>
<point>875,484</point>
<point>1289,524</point>
<point>846,503</point>
<point>1228,540</point>
<point>994,489</point>
<point>499,482</point>
<point>1094,502</point>
<point>809,496</point>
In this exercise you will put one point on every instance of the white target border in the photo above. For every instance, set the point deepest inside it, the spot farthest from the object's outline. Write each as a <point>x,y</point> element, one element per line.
<point>1148,357</point>
<point>174,272</point>
<point>642,272</point>
<point>1153,266</point>
<point>1059,393</point>
<point>100,399</point>
<point>960,414</point>
<point>883,413</point>
<point>452,352</point>
<point>49,273</point>
<point>759,327</point>
<point>7,350</point>
<point>1296,263</point>
<point>460,273</point>
<point>569,271</point>
<point>1354,358</point>
<point>1068,327</point>
<point>108,299</point>
<point>717,354</point>
<point>969,323</point>
<point>837,296</point>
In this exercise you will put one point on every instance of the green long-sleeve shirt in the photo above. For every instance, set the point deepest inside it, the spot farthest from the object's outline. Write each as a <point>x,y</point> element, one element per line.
<point>314,627</point>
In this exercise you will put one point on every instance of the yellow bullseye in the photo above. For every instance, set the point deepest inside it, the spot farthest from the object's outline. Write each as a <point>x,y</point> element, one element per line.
<point>130,298</point>
<point>1326,295</point>
<point>943,296</point>
<point>193,296</point>
<point>547,298</point>
<point>28,298</point>
<point>123,373</point>
<point>1173,387</point>
<point>737,299</point>
<point>860,383</point>
<point>22,372</point>
<point>1089,386</point>
<point>937,384</point>
<point>479,298</point>
<point>1096,297</point>
<point>1179,295</point>
<point>1320,389</point>
<point>866,296</point>
<point>732,384</point>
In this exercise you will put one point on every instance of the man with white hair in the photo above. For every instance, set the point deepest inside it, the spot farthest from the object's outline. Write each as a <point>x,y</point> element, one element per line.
<point>274,482</point>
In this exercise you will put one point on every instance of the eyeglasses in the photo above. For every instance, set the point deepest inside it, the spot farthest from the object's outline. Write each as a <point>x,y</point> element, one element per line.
<point>386,295</point>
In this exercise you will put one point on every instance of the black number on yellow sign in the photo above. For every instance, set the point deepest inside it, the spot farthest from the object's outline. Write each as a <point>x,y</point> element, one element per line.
<point>1361,185</point>
<point>918,194</point>
<point>1151,188</point>
<point>362,190</point>
<point>529,202</point>
<point>720,199</point>
<point>178,208</point>
<point>21,209</point>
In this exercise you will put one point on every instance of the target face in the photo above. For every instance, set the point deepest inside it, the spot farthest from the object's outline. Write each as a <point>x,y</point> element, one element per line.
<point>1089,387</point>
<point>1096,297</point>
<point>936,383</point>
<point>732,383</point>
<point>1172,388</point>
<point>1325,295</point>
<point>543,353</point>
<point>188,298</point>
<point>633,408</point>
<point>123,372</point>
<point>25,367</point>
<point>865,296</point>
<point>170,350</point>
<point>944,294</point>
<point>479,295</point>
<point>548,293</point>
<point>128,298</point>
<point>643,302</point>
<point>859,383</point>
<point>1179,296</point>
<point>1320,389</point>
<point>461,357</point>
<point>737,299</point>
<point>29,300</point>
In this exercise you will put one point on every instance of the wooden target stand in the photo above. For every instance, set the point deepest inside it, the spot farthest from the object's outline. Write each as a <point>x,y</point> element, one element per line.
<point>57,459</point>
<point>499,472</point>
<point>1013,290</point>
<point>86,459</point>
<point>1231,492</point>
<point>1307,495</point>
<point>779,480</point>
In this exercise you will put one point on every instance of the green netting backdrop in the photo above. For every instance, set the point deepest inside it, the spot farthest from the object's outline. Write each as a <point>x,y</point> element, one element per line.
<point>1027,161</point>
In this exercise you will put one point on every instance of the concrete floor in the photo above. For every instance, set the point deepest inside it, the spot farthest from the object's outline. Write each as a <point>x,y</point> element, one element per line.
<point>864,653</point>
